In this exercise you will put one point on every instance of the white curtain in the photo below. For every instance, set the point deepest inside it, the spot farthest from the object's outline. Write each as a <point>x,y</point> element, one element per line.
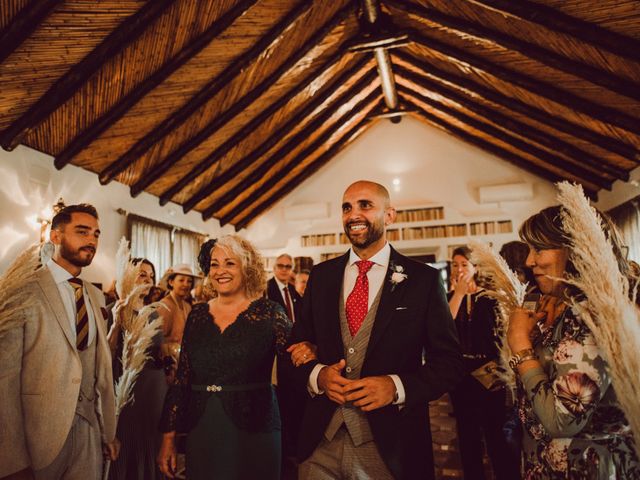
<point>627,218</point>
<point>186,246</point>
<point>153,243</point>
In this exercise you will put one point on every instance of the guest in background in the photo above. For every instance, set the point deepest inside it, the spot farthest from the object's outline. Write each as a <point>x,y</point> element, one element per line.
<point>222,395</point>
<point>478,401</point>
<point>138,421</point>
<point>178,280</point>
<point>302,277</point>
<point>515,254</point>
<point>291,396</point>
<point>574,426</point>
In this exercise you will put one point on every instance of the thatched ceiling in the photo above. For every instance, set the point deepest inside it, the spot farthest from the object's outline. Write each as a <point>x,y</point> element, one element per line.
<point>224,106</point>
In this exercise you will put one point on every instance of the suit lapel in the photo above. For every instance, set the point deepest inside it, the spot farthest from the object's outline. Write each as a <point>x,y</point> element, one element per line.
<point>391,295</point>
<point>330,316</point>
<point>52,295</point>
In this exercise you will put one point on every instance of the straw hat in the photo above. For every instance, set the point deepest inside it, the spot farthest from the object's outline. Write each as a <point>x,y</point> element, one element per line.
<point>179,269</point>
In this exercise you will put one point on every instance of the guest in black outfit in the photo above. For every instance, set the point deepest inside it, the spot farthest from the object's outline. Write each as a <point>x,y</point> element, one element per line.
<point>291,397</point>
<point>479,407</point>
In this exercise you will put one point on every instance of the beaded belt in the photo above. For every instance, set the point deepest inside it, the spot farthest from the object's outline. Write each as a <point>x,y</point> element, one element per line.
<point>230,388</point>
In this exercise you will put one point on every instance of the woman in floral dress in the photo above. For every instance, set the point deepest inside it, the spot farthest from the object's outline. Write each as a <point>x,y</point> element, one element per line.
<point>574,427</point>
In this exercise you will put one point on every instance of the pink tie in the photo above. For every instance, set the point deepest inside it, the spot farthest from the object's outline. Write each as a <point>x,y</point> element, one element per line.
<point>287,301</point>
<point>358,300</point>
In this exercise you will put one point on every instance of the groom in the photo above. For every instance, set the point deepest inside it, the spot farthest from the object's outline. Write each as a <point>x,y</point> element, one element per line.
<point>373,314</point>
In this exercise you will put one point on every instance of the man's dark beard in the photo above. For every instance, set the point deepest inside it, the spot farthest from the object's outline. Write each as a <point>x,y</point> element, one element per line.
<point>73,256</point>
<point>374,233</point>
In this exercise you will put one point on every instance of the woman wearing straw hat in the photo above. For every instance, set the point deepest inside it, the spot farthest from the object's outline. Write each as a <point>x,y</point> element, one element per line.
<point>574,426</point>
<point>222,396</point>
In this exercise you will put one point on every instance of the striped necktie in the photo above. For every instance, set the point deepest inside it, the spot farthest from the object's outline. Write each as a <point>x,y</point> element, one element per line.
<point>82,317</point>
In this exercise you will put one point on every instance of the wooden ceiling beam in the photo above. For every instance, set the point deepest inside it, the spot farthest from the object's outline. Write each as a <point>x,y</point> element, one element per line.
<point>513,141</point>
<point>464,29</point>
<point>318,99</point>
<point>562,97</point>
<point>24,24</point>
<point>313,167</point>
<point>493,149</point>
<point>64,88</point>
<point>529,132</point>
<point>555,20</point>
<point>206,93</point>
<point>228,115</point>
<point>293,142</point>
<point>463,82</point>
<point>117,111</point>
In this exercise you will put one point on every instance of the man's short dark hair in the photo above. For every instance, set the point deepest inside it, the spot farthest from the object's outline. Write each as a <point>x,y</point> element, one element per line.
<point>63,217</point>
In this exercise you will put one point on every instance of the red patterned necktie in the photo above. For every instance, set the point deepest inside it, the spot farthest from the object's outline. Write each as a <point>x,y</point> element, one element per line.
<point>82,317</point>
<point>358,300</point>
<point>287,302</point>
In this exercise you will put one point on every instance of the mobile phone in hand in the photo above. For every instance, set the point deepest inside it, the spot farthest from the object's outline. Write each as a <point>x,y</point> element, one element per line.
<point>531,301</point>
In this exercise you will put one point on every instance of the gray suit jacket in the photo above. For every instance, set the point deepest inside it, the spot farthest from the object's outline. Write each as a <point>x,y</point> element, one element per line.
<point>40,375</point>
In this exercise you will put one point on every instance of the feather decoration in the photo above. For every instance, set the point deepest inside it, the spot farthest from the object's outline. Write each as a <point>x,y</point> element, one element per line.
<point>504,286</point>
<point>15,297</point>
<point>607,310</point>
<point>122,263</point>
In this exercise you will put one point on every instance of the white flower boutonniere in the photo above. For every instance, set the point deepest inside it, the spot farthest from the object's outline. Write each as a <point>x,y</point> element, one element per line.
<point>397,275</point>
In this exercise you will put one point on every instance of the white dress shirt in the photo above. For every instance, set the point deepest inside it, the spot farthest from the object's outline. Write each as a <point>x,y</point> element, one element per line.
<point>68,296</point>
<point>376,277</point>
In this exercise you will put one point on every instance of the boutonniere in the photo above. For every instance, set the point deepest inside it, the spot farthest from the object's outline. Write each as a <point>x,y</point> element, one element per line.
<point>397,275</point>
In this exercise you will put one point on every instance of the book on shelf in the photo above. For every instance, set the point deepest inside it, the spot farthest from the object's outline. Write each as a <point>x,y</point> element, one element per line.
<point>329,256</point>
<point>419,214</point>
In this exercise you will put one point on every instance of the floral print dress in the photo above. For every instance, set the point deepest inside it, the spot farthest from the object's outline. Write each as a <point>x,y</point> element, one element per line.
<point>574,427</point>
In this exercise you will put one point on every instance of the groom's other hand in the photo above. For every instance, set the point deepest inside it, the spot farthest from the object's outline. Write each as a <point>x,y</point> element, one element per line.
<point>331,381</point>
<point>370,393</point>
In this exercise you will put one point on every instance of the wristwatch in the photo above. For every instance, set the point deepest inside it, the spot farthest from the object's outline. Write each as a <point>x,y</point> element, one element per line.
<point>522,356</point>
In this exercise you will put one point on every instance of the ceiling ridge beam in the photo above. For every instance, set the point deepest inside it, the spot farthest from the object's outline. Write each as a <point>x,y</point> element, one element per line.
<point>603,141</point>
<point>297,118</point>
<point>117,111</point>
<point>558,21</point>
<point>312,168</point>
<point>241,104</point>
<point>512,140</point>
<point>206,93</point>
<point>245,131</point>
<point>64,88</point>
<point>293,142</point>
<point>597,112</point>
<point>26,21</point>
<point>576,68</point>
<point>490,147</point>
<point>529,132</point>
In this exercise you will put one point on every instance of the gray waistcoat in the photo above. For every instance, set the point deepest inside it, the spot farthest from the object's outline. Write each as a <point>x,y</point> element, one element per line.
<point>355,349</point>
<point>86,406</point>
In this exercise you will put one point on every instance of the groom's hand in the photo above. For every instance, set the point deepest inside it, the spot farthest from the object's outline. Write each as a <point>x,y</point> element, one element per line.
<point>370,393</point>
<point>331,381</point>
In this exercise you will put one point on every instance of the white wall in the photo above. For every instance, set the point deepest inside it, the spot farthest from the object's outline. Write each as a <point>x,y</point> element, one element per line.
<point>432,166</point>
<point>30,185</point>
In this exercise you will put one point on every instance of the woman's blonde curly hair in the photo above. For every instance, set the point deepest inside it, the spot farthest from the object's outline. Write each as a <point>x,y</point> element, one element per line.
<point>252,265</point>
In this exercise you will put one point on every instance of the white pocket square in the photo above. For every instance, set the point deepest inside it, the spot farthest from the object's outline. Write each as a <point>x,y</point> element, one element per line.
<point>401,308</point>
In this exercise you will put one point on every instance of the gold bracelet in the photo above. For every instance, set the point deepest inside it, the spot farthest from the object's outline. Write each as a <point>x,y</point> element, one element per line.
<point>522,356</point>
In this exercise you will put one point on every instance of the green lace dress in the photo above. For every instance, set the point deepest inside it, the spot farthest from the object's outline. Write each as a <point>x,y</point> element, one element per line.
<point>573,425</point>
<point>223,396</point>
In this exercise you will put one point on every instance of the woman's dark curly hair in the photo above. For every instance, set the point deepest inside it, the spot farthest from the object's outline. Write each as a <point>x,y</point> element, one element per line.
<point>204,257</point>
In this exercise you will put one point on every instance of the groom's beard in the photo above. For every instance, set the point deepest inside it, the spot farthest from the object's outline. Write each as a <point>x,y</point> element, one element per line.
<point>374,232</point>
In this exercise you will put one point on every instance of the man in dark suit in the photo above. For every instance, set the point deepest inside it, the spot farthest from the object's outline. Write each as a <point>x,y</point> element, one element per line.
<point>291,397</point>
<point>373,314</point>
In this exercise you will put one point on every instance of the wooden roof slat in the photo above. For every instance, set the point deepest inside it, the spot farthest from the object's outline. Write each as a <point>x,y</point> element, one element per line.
<point>117,111</point>
<point>224,148</point>
<point>317,122</point>
<point>318,163</point>
<point>603,141</point>
<point>512,140</point>
<point>488,146</point>
<point>240,105</point>
<point>130,29</point>
<point>205,94</point>
<point>553,19</point>
<point>543,138</point>
<point>271,141</point>
<point>464,28</point>
<point>24,24</point>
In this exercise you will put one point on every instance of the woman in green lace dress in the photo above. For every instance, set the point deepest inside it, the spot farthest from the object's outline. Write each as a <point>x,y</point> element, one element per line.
<point>574,427</point>
<point>222,395</point>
